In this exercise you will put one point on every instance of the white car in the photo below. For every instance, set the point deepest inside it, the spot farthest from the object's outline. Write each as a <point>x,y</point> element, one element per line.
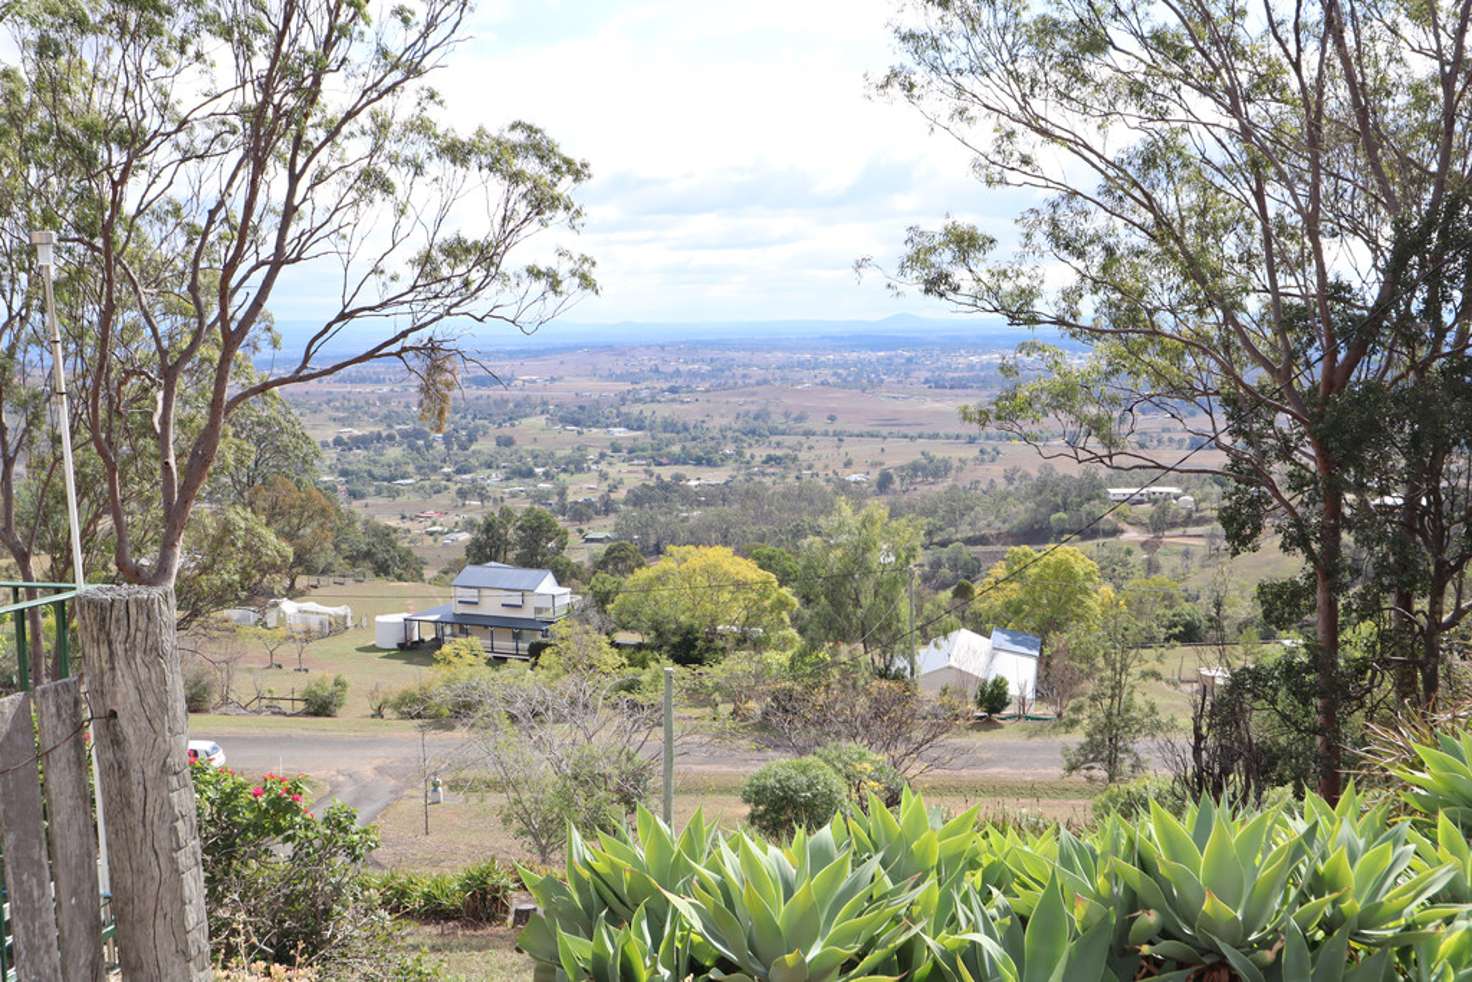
<point>208,751</point>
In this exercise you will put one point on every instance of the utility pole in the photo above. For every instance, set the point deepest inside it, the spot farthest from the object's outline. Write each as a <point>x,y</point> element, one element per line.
<point>914,641</point>
<point>669,747</point>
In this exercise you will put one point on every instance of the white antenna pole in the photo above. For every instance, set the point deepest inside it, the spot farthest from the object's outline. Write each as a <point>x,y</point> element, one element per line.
<point>44,242</point>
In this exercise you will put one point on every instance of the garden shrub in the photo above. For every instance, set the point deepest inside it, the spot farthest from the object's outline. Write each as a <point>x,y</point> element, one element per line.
<point>458,694</point>
<point>865,772</point>
<point>793,794</point>
<point>994,696</point>
<point>324,698</point>
<point>1131,799</point>
<point>285,887</point>
<point>199,689</point>
<point>479,894</point>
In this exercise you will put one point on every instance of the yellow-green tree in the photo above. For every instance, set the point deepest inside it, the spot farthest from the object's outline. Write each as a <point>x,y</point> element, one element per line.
<point>698,602</point>
<point>578,648</point>
<point>1041,594</point>
<point>460,653</point>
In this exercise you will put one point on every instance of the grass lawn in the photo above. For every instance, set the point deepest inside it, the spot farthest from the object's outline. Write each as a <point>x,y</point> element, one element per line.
<point>485,954</point>
<point>351,655</point>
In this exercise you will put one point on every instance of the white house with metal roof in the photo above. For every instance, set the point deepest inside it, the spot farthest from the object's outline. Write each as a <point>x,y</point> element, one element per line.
<point>963,659</point>
<point>507,608</point>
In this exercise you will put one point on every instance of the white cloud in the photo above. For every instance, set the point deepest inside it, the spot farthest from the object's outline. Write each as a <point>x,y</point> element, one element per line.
<point>740,164</point>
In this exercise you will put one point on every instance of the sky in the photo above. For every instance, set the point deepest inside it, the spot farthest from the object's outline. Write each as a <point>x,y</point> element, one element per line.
<point>740,163</point>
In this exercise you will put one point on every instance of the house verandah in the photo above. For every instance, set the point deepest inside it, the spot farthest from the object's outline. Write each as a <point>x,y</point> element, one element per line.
<point>502,637</point>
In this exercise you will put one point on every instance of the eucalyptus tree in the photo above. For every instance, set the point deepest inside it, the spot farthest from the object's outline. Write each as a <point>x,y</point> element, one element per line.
<point>1226,204</point>
<point>198,153</point>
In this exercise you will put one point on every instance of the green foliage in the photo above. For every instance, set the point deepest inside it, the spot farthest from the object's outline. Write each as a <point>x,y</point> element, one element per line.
<point>867,774</point>
<point>1441,783</point>
<point>780,562</point>
<point>449,694</point>
<point>1116,717</point>
<point>376,549</point>
<point>322,697</point>
<point>578,648</point>
<point>1130,800</point>
<point>238,556</point>
<point>281,885</point>
<point>538,540</point>
<point>619,559</point>
<point>854,578</point>
<point>1295,891</point>
<point>479,894</point>
<point>593,789</point>
<point>994,696</point>
<point>199,688</point>
<point>458,654</point>
<point>698,603</point>
<point>1044,595</point>
<point>793,794</point>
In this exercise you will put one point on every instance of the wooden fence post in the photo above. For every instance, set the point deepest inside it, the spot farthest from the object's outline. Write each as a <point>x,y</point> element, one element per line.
<point>135,686</point>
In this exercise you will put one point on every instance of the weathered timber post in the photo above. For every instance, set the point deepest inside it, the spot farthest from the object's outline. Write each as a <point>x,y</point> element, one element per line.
<point>135,686</point>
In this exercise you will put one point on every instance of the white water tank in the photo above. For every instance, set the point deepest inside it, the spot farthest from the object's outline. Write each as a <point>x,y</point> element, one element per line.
<point>391,630</point>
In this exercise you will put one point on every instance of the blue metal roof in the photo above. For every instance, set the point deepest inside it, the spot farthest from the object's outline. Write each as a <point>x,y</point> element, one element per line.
<point>1017,642</point>
<point>499,576</point>
<point>445,614</point>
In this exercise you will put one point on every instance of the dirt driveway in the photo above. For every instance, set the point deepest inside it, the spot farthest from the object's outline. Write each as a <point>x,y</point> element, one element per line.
<point>370,771</point>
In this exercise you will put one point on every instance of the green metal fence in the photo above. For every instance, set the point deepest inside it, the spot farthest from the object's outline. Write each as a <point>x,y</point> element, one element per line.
<point>56,597</point>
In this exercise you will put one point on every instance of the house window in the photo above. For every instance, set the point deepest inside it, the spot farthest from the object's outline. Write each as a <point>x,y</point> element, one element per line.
<point>513,599</point>
<point>467,596</point>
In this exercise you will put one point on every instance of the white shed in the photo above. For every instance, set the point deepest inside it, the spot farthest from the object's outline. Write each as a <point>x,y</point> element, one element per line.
<point>1015,657</point>
<point>956,661</point>
<point>963,659</point>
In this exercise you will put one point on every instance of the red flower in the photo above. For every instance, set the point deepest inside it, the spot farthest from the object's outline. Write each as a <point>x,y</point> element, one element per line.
<point>257,791</point>
<point>296,798</point>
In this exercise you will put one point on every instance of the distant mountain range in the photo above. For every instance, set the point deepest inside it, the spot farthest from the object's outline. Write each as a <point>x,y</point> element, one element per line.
<point>896,331</point>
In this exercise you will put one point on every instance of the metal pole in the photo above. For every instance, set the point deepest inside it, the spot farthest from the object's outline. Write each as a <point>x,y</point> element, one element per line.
<point>44,242</point>
<point>669,747</point>
<point>914,641</point>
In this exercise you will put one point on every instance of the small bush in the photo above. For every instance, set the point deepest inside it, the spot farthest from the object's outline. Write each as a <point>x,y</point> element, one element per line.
<point>324,698</point>
<point>1131,799</point>
<point>199,689</point>
<point>790,794</point>
<point>478,894</point>
<point>865,773</point>
<point>994,696</point>
<point>459,654</point>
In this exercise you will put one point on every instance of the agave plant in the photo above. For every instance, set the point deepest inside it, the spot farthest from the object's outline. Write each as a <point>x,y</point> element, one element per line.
<point>1366,866</point>
<point>1084,871</point>
<point>1442,783</point>
<point>645,950</point>
<point>610,882</point>
<point>1214,890</point>
<point>991,946</point>
<point>1448,848</point>
<point>912,843</point>
<point>761,921</point>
